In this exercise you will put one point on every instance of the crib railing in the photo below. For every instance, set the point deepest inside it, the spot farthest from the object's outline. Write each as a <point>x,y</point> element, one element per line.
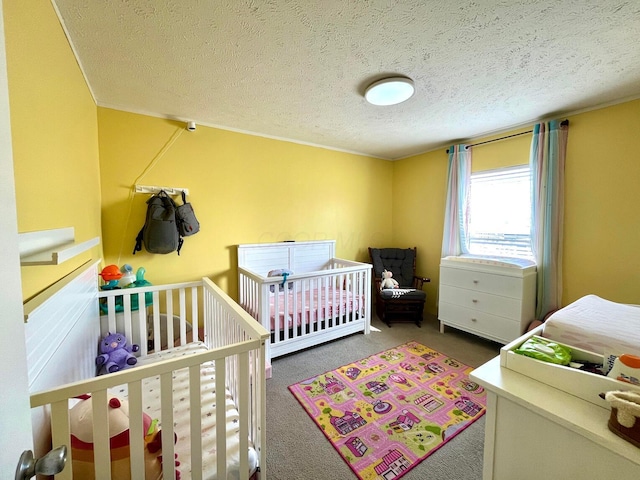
<point>237,347</point>
<point>153,317</point>
<point>309,308</point>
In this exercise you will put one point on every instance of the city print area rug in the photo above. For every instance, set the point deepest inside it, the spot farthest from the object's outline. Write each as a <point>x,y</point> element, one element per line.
<point>386,413</point>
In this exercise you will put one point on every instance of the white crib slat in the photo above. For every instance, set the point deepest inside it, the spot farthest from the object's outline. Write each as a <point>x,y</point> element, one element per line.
<point>194,314</point>
<point>301,309</point>
<point>276,316</point>
<point>195,402</point>
<point>183,316</point>
<point>142,325</point>
<point>346,295</point>
<point>126,306</point>
<point>157,341</point>
<point>101,452</point>
<point>325,305</point>
<point>111,308</point>
<point>341,300</point>
<point>169,320</point>
<point>221,440</point>
<point>242,399</point>
<point>60,434</point>
<point>136,430</point>
<point>166,418</point>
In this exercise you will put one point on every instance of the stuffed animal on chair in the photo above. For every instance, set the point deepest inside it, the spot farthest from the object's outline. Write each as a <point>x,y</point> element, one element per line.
<point>388,281</point>
<point>115,353</point>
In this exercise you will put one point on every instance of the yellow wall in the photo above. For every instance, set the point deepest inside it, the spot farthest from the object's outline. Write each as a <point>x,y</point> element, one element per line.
<point>54,134</point>
<point>601,232</point>
<point>419,187</point>
<point>244,189</point>
<point>67,153</point>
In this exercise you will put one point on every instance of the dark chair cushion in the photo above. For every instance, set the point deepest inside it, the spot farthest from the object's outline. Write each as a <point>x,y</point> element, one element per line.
<point>399,261</point>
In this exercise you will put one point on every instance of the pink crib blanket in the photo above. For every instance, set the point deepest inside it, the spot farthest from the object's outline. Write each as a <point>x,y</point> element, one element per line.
<point>311,306</point>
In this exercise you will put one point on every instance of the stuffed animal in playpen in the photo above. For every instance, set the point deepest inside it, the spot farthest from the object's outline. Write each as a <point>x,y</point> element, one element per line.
<point>116,353</point>
<point>388,281</point>
<point>81,427</point>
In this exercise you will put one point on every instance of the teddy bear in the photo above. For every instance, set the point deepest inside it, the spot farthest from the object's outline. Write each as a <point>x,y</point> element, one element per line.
<point>115,353</point>
<point>388,280</point>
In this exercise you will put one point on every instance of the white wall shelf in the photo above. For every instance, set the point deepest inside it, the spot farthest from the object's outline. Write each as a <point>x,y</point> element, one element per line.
<point>51,247</point>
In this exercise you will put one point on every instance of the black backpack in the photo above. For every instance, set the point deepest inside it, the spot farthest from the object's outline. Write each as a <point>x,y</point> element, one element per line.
<point>160,231</point>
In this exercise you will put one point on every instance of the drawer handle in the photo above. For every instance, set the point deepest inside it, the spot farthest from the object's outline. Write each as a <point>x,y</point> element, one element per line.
<point>475,281</point>
<point>475,300</point>
<point>473,319</point>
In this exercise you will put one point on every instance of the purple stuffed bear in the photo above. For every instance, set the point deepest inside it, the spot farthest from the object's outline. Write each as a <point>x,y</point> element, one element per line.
<point>116,353</point>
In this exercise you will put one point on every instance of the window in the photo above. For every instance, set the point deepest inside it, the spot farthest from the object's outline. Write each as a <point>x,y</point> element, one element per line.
<point>500,212</point>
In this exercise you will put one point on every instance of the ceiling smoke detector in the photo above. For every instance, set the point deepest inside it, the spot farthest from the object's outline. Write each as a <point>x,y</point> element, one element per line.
<point>390,91</point>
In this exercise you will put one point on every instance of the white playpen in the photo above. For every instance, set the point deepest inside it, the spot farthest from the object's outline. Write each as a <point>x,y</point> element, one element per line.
<point>178,379</point>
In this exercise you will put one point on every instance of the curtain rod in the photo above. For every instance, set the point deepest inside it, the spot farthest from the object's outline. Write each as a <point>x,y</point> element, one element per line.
<point>562,123</point>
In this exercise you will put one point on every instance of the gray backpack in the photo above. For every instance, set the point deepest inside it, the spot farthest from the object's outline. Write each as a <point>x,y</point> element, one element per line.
<point>187,222</point>
<point>160,231</point>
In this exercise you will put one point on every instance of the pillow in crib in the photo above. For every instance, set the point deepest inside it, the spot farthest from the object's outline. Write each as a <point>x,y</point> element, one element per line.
<point>281,272</point>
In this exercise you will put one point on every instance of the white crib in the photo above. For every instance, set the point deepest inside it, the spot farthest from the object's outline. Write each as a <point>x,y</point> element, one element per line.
<point>325,298</point>
<point>63,328</point>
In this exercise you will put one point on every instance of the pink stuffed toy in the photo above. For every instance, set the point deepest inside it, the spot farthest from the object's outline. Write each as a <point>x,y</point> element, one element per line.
<point>81,429</point>
<point>115,353</point>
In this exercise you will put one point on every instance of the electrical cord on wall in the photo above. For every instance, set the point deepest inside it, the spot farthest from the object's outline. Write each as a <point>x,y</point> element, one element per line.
<point>152,164</point>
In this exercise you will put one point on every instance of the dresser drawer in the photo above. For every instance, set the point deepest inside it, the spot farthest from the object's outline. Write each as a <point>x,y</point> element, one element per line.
<point>486,325</point>
<point>503,285</point>
<point>485,302</point>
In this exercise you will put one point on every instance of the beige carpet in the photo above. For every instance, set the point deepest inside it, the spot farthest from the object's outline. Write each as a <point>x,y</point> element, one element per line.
<point>298,450</point>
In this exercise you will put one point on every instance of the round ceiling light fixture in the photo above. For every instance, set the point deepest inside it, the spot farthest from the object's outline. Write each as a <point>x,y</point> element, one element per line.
<point>390,91</point>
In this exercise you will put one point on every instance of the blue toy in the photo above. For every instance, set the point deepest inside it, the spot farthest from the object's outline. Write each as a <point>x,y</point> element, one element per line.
<point>140,282</point>
<point>281,272</point>
<point>115,353</point>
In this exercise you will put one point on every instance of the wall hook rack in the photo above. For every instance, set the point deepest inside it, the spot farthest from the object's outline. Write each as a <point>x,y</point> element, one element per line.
<point>156,189</point>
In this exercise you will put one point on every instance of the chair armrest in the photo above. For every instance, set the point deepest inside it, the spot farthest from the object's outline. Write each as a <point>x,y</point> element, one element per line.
<point>419,281</point>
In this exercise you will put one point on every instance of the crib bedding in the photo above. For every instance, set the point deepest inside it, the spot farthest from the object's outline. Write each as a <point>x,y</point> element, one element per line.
<point>597,325</point>
<point>311,306</point>
<point>151,400</point>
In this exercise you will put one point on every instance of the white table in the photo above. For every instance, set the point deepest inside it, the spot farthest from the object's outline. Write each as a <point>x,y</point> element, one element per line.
<point>534,431</point>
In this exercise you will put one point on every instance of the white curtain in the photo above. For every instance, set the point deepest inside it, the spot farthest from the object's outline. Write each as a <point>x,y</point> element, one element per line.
<point>454,238</point>
<point>547,160</point>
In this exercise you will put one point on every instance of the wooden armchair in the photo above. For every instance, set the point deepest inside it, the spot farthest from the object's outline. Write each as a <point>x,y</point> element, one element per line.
<point>407,301</point>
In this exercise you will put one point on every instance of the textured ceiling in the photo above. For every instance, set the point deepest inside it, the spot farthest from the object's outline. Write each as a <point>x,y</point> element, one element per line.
<point>297,69</point>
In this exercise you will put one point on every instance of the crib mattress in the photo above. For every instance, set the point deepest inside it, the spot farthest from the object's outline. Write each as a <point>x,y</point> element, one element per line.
<point>311,306</point>
<point>597,325</point>
<point>151,400</point>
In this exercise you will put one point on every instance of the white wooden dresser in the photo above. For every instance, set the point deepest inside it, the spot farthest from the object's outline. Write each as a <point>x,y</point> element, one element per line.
<point>534,431</point>
<point>491,298</point>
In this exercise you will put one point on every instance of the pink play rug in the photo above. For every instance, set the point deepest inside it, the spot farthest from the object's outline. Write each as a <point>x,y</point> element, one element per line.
<point>386,413</point>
